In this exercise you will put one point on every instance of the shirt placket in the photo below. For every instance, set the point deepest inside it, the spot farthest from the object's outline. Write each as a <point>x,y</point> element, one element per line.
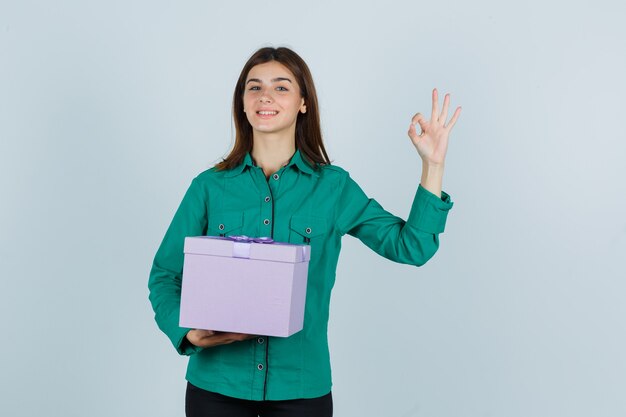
<point>268,189</point>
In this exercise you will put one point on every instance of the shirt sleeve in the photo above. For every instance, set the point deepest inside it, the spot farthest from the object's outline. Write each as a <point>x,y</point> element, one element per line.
<point>413,241</point>
<point>165,279</point>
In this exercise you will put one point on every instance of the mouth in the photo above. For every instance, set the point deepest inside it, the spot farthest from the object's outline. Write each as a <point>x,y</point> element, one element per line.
<point>266,114</point>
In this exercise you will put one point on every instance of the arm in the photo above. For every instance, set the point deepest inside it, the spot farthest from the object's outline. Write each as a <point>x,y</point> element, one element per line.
<point>413,241</point>
<point>166,277</point>
<point>416,240</point>
<point>166,273</point>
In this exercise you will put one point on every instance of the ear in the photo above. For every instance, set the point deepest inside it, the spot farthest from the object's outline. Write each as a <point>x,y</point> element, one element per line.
<point>303,107</point>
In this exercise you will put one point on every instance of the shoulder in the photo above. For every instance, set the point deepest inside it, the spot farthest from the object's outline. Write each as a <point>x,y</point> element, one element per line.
<point>333,172</point>
<point>209,175</point>
<point>203,182</point>
<point>338,176</point>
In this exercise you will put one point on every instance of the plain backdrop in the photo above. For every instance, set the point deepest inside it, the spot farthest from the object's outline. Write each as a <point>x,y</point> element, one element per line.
<point>109,109</point>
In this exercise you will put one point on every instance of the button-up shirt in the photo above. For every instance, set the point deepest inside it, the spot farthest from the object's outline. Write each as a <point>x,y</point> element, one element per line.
<point>300,204</point>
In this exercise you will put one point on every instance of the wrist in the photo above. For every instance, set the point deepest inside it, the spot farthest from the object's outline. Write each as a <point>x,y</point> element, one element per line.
<point>432,172</point>
<point>188,338</point>
<point>432,167</point>
<point>432,177</point>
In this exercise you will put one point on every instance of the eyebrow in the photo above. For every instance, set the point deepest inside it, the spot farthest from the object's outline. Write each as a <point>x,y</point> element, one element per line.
<point>273,80</point>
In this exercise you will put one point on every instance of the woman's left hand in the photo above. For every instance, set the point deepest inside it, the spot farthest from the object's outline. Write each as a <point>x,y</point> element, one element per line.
<point>432,142</point>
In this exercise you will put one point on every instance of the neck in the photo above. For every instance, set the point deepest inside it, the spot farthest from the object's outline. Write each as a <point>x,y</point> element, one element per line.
<point>271,155</point>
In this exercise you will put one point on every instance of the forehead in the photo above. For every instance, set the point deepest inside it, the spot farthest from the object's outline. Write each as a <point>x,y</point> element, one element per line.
<point>269,70</point>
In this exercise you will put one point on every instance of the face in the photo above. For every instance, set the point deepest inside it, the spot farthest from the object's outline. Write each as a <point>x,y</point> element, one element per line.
<point>271,98</point>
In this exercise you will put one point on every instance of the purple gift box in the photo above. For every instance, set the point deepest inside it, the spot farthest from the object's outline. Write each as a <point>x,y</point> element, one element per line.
<point>245,285</point>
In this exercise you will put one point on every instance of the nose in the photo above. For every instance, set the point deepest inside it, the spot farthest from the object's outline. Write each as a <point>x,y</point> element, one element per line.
<point>265,96</point>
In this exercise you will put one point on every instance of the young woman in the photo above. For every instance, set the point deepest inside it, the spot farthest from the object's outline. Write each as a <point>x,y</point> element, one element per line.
<point>278,182</point>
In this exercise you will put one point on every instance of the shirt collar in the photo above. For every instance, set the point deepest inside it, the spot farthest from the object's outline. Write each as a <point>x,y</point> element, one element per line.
<point>296,160</point>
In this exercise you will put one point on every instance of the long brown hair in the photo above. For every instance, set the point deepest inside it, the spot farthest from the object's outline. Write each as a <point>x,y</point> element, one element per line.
<point>308,131</point>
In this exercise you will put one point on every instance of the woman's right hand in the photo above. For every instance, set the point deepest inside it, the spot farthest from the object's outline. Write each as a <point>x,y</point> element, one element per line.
<point>210,338</point>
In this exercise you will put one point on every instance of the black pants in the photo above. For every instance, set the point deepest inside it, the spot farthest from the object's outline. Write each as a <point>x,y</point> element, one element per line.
<point>202,403</point>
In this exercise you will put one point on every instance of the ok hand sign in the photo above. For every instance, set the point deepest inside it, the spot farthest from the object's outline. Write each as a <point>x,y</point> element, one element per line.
<point>432,142</point>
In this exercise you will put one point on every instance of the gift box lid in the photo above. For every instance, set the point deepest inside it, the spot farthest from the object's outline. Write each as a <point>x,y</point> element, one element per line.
<point>240,247</point>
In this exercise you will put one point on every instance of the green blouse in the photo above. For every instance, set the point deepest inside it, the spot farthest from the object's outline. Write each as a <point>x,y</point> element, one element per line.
<point>298,204</point>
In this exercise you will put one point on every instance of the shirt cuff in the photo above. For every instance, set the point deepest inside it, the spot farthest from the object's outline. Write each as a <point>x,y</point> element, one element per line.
<point>183,346</point>
<point>429,212</point>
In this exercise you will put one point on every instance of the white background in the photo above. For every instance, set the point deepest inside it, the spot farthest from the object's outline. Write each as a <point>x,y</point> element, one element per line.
<point>109,109</point>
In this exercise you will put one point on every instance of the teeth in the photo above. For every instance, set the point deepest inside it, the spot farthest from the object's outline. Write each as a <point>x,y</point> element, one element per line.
<point>268,112</point>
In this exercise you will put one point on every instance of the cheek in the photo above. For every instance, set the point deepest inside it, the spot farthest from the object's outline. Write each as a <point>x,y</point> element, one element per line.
<point>288,103</point>
<point>249,117</point>
<point>249,106</point>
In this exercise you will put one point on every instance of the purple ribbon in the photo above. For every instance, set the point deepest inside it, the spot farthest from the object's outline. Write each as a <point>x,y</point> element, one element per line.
<point>241,248</point>
<point>244,238</point>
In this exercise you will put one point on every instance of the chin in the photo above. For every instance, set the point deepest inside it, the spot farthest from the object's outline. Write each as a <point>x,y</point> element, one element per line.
<point>269,129</point>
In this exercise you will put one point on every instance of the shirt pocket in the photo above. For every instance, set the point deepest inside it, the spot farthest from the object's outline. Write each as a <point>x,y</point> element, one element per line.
<point>307,229</point>
<point>225,224</point>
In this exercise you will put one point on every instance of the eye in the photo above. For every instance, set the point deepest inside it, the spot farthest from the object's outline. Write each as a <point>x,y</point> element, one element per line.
<point>254,87</point>
<point>283,88</point>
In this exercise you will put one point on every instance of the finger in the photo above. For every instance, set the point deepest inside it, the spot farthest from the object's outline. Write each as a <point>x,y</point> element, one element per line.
<point>235,337</point>
<point>242,336</point>
<point>434,115</point>
<point>455,116</point>
<point>444,111</point>
<point>220,338</point>
<point>419,118</point>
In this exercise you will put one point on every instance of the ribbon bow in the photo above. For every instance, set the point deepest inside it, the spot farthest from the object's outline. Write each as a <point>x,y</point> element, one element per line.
<point>244,238</point>
<point>241,249</point>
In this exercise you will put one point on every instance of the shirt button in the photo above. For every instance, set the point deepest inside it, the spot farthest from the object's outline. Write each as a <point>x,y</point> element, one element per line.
<point>260,367</point>
<point>276,176</point>
<point>260,340</point>
<point>221,227</point>
<point>266,221</point>
<point>308,230</point>
<point>267,198</point>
